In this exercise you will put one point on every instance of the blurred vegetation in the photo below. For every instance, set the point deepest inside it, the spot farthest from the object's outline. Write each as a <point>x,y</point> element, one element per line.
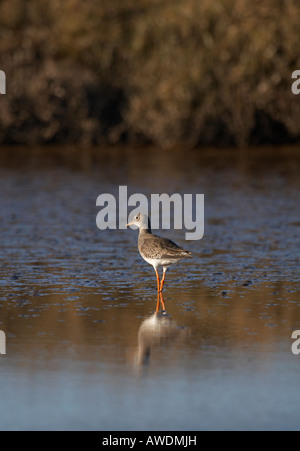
<point>153,71</point>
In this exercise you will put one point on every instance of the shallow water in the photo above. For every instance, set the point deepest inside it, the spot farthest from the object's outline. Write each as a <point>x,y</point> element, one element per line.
<point>84,348</point>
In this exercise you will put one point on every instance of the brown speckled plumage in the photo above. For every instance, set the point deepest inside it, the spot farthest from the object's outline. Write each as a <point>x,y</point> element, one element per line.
<point>156,247</point>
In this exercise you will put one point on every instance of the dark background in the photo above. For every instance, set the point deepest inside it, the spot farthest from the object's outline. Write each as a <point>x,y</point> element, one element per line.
<point>161,72</point>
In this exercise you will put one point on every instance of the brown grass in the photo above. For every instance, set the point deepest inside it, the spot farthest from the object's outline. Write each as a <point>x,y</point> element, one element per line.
<point>164,72</point>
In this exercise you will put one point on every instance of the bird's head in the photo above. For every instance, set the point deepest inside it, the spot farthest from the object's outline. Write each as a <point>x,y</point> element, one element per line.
<point>140,220</point>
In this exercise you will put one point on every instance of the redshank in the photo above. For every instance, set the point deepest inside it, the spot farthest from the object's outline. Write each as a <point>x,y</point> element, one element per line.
<point>155,250</point>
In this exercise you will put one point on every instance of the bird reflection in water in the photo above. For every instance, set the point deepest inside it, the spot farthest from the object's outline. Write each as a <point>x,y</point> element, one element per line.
<point>156,330</point>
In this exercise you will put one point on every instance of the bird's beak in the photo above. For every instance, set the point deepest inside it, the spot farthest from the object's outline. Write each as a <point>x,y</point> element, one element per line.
<point>129,224</point>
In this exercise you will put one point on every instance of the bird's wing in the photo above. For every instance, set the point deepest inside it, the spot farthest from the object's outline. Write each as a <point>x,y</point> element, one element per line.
<point>158,247</point>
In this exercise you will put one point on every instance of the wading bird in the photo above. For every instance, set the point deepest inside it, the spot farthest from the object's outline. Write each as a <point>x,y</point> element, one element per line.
<point>155,250</point>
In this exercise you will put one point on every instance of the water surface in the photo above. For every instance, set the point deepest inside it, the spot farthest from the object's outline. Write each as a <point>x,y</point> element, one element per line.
<point>84,348</point>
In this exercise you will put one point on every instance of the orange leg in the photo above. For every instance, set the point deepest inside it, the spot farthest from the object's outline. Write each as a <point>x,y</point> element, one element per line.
<point>157,278</point>
<point>162,302</point>
<point>162,280</point>
<point>157,304</point>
